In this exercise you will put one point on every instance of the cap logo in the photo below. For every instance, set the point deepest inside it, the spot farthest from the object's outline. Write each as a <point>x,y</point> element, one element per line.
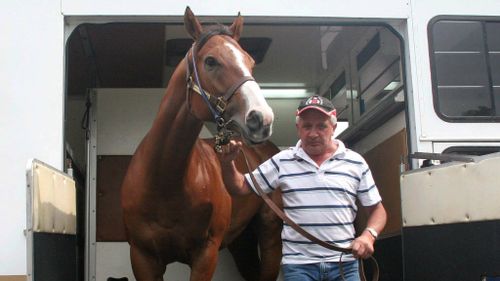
<point>314,100</point>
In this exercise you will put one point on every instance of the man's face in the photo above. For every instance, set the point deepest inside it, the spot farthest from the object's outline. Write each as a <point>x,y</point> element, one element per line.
<point>315,130</point>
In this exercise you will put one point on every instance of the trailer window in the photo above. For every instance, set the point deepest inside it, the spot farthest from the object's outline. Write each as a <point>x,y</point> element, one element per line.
<point>465,61</point>
<point>472,150</point>
<point>378,71</point>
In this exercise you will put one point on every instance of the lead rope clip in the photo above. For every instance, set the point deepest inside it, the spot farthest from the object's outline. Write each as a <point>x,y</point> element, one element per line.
<point>223,135</point>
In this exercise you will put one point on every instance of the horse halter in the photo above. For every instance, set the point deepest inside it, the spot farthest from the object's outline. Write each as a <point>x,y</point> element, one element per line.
<point>216,104</point>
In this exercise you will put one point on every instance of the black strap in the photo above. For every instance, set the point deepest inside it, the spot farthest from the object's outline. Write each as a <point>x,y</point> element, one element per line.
<point>212,101</point>
<point>230,92</point>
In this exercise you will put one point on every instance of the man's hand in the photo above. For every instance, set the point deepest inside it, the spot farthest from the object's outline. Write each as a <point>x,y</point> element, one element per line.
<point>233,179</point>
<point>362,246</point>
<point>230,151</point>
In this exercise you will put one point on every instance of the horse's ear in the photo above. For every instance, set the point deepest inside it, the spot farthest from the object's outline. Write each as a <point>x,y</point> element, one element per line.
<point>237,27</point>
<point>192,24</point>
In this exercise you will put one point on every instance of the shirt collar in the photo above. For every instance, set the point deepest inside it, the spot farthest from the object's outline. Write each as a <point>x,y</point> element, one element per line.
<point>300,153</point>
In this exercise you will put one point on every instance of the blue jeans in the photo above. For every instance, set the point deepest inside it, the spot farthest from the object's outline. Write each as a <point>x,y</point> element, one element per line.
<point>324,271</point>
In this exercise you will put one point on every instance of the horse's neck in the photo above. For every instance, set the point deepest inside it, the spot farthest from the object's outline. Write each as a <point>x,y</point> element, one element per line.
<point>175,130</point>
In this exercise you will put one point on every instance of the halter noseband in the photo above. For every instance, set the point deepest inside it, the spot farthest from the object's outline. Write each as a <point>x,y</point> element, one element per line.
<point>216,104</point>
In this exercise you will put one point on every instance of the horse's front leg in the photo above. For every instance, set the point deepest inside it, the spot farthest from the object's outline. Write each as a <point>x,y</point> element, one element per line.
<point>205,261</point>
<point>269,236</point>
<point>146,267</point>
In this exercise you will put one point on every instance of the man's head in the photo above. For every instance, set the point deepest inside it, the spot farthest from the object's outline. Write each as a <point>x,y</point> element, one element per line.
<point>320,104</point>
<point>316,122</point>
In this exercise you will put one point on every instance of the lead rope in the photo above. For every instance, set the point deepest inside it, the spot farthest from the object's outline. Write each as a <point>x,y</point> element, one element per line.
<point>308,235</point>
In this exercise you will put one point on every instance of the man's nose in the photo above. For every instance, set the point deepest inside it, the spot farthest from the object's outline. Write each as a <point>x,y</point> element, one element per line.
<point>313,132</point>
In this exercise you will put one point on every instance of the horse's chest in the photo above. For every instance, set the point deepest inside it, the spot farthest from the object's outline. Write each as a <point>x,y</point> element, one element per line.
<point>202,180</point>
<point>199,205</point>
<point>193,207</point>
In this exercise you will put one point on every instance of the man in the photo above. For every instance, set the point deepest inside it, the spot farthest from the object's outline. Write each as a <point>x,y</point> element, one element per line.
<point>320,181</point>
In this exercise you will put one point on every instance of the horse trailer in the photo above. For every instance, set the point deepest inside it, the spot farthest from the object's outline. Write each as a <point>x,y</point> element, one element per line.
<point>416,85</point>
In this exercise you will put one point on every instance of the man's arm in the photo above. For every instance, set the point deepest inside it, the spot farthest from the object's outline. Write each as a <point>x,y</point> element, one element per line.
<point>233,179</point>
<point>362,247</point>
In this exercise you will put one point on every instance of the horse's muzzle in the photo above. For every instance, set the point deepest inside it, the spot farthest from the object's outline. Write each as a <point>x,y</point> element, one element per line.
<point>258,128</point>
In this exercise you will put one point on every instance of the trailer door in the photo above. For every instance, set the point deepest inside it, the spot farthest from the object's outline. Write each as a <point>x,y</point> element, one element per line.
<point>51,224</point>
<point>451,220</point>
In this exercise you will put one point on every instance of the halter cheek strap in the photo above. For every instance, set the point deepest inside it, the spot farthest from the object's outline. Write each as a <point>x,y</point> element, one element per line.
<point>230,92</point>
<point>217,105</point>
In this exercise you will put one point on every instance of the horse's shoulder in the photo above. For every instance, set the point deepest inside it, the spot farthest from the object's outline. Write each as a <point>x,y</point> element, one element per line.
<point>265,150</point>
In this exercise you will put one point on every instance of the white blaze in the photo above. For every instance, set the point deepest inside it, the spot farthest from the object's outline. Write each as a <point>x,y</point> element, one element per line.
<point>257,102</point>
<point>239,59</point>
<point>250,90</point>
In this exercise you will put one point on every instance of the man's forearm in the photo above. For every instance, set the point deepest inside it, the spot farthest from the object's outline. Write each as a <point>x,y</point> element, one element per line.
<point>377,217</point>
<point>234,180</point>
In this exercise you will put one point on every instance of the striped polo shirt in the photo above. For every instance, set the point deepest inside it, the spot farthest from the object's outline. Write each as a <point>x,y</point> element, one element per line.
<point>321,199</point>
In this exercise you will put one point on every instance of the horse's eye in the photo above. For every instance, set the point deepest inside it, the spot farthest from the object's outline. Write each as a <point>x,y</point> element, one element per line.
<point>211,62</point>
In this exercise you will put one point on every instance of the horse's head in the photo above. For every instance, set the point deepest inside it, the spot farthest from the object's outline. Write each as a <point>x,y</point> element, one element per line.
<point>223,70</point>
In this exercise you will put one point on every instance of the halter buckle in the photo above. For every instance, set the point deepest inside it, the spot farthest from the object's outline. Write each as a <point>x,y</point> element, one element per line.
<point>220,105</point>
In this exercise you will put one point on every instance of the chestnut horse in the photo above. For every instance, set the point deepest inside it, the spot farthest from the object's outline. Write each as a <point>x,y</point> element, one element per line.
<point>175,204</point>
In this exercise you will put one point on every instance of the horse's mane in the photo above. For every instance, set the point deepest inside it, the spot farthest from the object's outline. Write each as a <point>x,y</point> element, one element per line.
<point>216,29</point>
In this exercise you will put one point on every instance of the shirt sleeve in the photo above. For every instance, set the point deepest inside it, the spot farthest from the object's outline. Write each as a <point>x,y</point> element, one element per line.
<point>368,193</point>
<point>266,175</point>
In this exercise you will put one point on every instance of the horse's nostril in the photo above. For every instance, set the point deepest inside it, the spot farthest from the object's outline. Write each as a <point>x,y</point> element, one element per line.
<point>266,131</point>
<point>254,120</point>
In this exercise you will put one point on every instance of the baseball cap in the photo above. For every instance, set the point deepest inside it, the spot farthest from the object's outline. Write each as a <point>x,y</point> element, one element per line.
<point>319,103</point>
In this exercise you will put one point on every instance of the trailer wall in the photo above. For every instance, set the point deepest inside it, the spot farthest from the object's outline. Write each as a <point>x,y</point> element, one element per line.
<point>31,113</point>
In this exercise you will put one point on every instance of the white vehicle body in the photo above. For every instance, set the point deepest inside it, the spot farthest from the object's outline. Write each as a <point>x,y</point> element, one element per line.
<point>40,117</point>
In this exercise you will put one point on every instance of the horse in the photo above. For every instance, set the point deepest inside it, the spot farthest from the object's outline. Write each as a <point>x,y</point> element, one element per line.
<point>175,205</point>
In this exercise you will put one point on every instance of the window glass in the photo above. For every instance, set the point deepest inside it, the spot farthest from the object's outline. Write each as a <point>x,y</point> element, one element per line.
<point>465,58</point>
<point>457,36</point>
<point>464,101</point>
<point>495,68</point>
<point>461,69</point>
<point>368,51</point>
<point>493,33</point>
<point>338,85</point>
<point>496,93</point>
